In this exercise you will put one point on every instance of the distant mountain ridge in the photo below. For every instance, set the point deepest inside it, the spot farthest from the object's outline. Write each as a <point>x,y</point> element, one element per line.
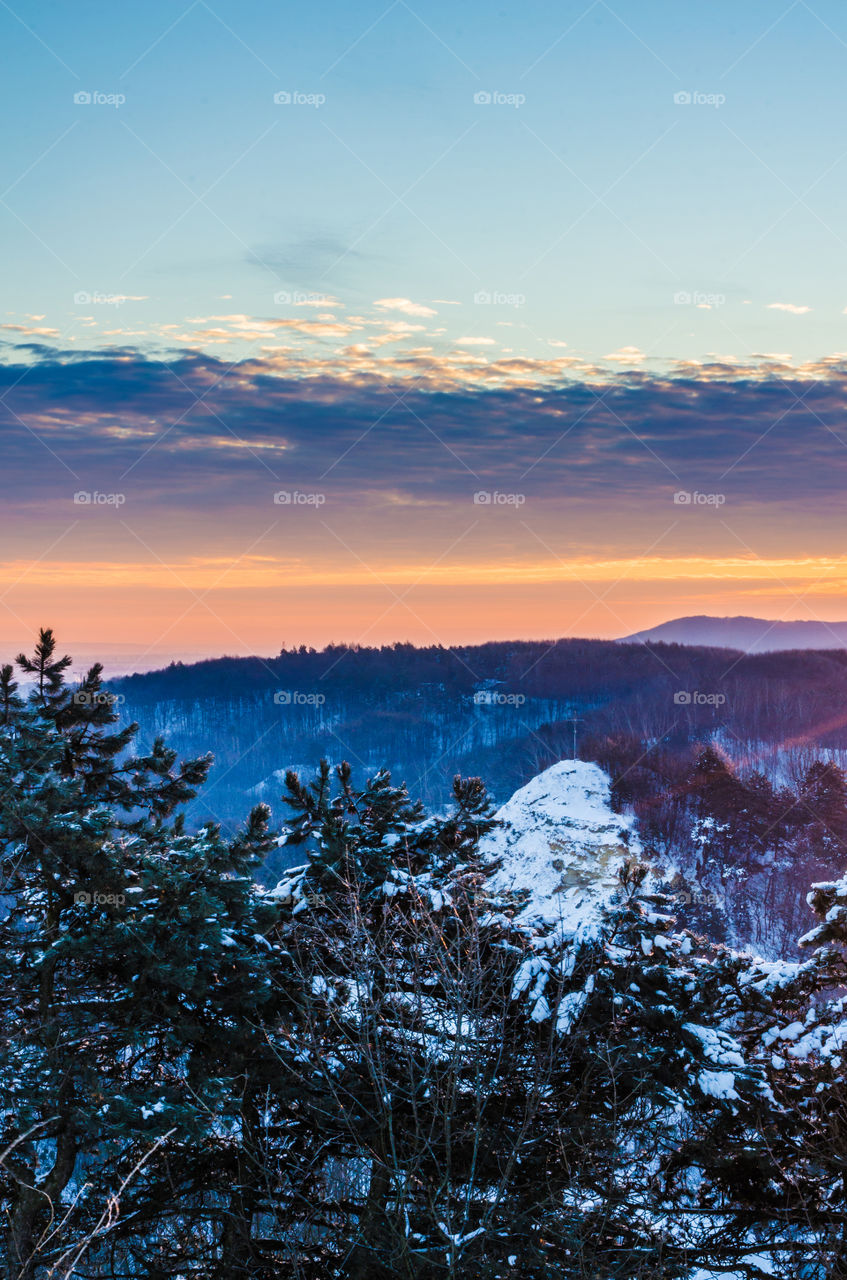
<point>751,635</point>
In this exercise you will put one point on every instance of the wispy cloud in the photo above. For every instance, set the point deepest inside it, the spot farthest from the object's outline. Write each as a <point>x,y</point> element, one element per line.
<point>791,307</point>
<point>405,305</point>
<point>626,355</point>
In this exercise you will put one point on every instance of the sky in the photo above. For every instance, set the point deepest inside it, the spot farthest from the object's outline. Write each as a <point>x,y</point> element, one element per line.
<point>421,322</point>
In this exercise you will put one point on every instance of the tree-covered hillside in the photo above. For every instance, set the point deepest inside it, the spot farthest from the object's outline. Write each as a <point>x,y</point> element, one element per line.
<point>503,709</point>
<point>731,762</point>
<point>408,1058</point>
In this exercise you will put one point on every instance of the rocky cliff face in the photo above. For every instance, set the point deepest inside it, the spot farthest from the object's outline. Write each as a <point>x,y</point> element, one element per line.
<point>560,846</point>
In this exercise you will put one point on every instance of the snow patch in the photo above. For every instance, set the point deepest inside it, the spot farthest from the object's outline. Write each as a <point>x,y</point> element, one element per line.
<point>718,1084</point>
<point>560,841</point>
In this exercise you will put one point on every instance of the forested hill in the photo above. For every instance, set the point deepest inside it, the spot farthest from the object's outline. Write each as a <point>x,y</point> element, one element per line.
<point>539,667</point>
<point>500,710</point>
<point>206,1078</point>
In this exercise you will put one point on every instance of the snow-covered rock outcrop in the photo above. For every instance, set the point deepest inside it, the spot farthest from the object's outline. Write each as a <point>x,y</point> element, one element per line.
<point>561,844</point>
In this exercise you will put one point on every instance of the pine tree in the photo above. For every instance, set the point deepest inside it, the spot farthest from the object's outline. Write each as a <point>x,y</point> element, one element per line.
<point>572,1102</point>
<point>823,801</point>
<point>133,971</point>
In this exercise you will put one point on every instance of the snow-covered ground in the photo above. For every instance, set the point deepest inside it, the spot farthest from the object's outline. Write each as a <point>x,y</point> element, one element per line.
<point>561,841</point>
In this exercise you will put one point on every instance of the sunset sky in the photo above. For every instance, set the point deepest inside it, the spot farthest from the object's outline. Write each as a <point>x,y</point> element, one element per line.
<point>387,322</point>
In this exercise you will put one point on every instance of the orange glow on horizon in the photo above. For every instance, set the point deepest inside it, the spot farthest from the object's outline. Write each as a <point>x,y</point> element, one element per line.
<point>215,605</point>
<point>821,574</point>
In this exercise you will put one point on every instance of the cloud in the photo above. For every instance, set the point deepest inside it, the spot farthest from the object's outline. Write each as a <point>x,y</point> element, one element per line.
<point>307,260</point>
<point>194,433</point>
<point>790,307</point>
<point>626,355</point>
<point>476,342</point>
<point>318,301</point>
<point>229,328</point>
<point>405,305</point>
<point>395,331</point>
<point>397,440</point>
<point>31,331</point>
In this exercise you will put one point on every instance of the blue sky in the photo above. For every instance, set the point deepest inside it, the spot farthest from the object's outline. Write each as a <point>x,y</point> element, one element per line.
<point>593,204</point>
<point>388,256</point>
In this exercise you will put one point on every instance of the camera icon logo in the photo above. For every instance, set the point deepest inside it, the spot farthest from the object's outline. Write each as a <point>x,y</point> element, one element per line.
<point>682,299</point>
<point>282,298</point>
<point>482,98</point>
<point>82,298</point>
<point>683,98</point>
<point>682,498</point>
<point>82,98</point>
<point>82,898</point>
<point>482,297</point>
<point>82,499</point>
<point>283,698</point>
<point>282,98</point>
<point>682,698</point>
<point>482,498</point>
